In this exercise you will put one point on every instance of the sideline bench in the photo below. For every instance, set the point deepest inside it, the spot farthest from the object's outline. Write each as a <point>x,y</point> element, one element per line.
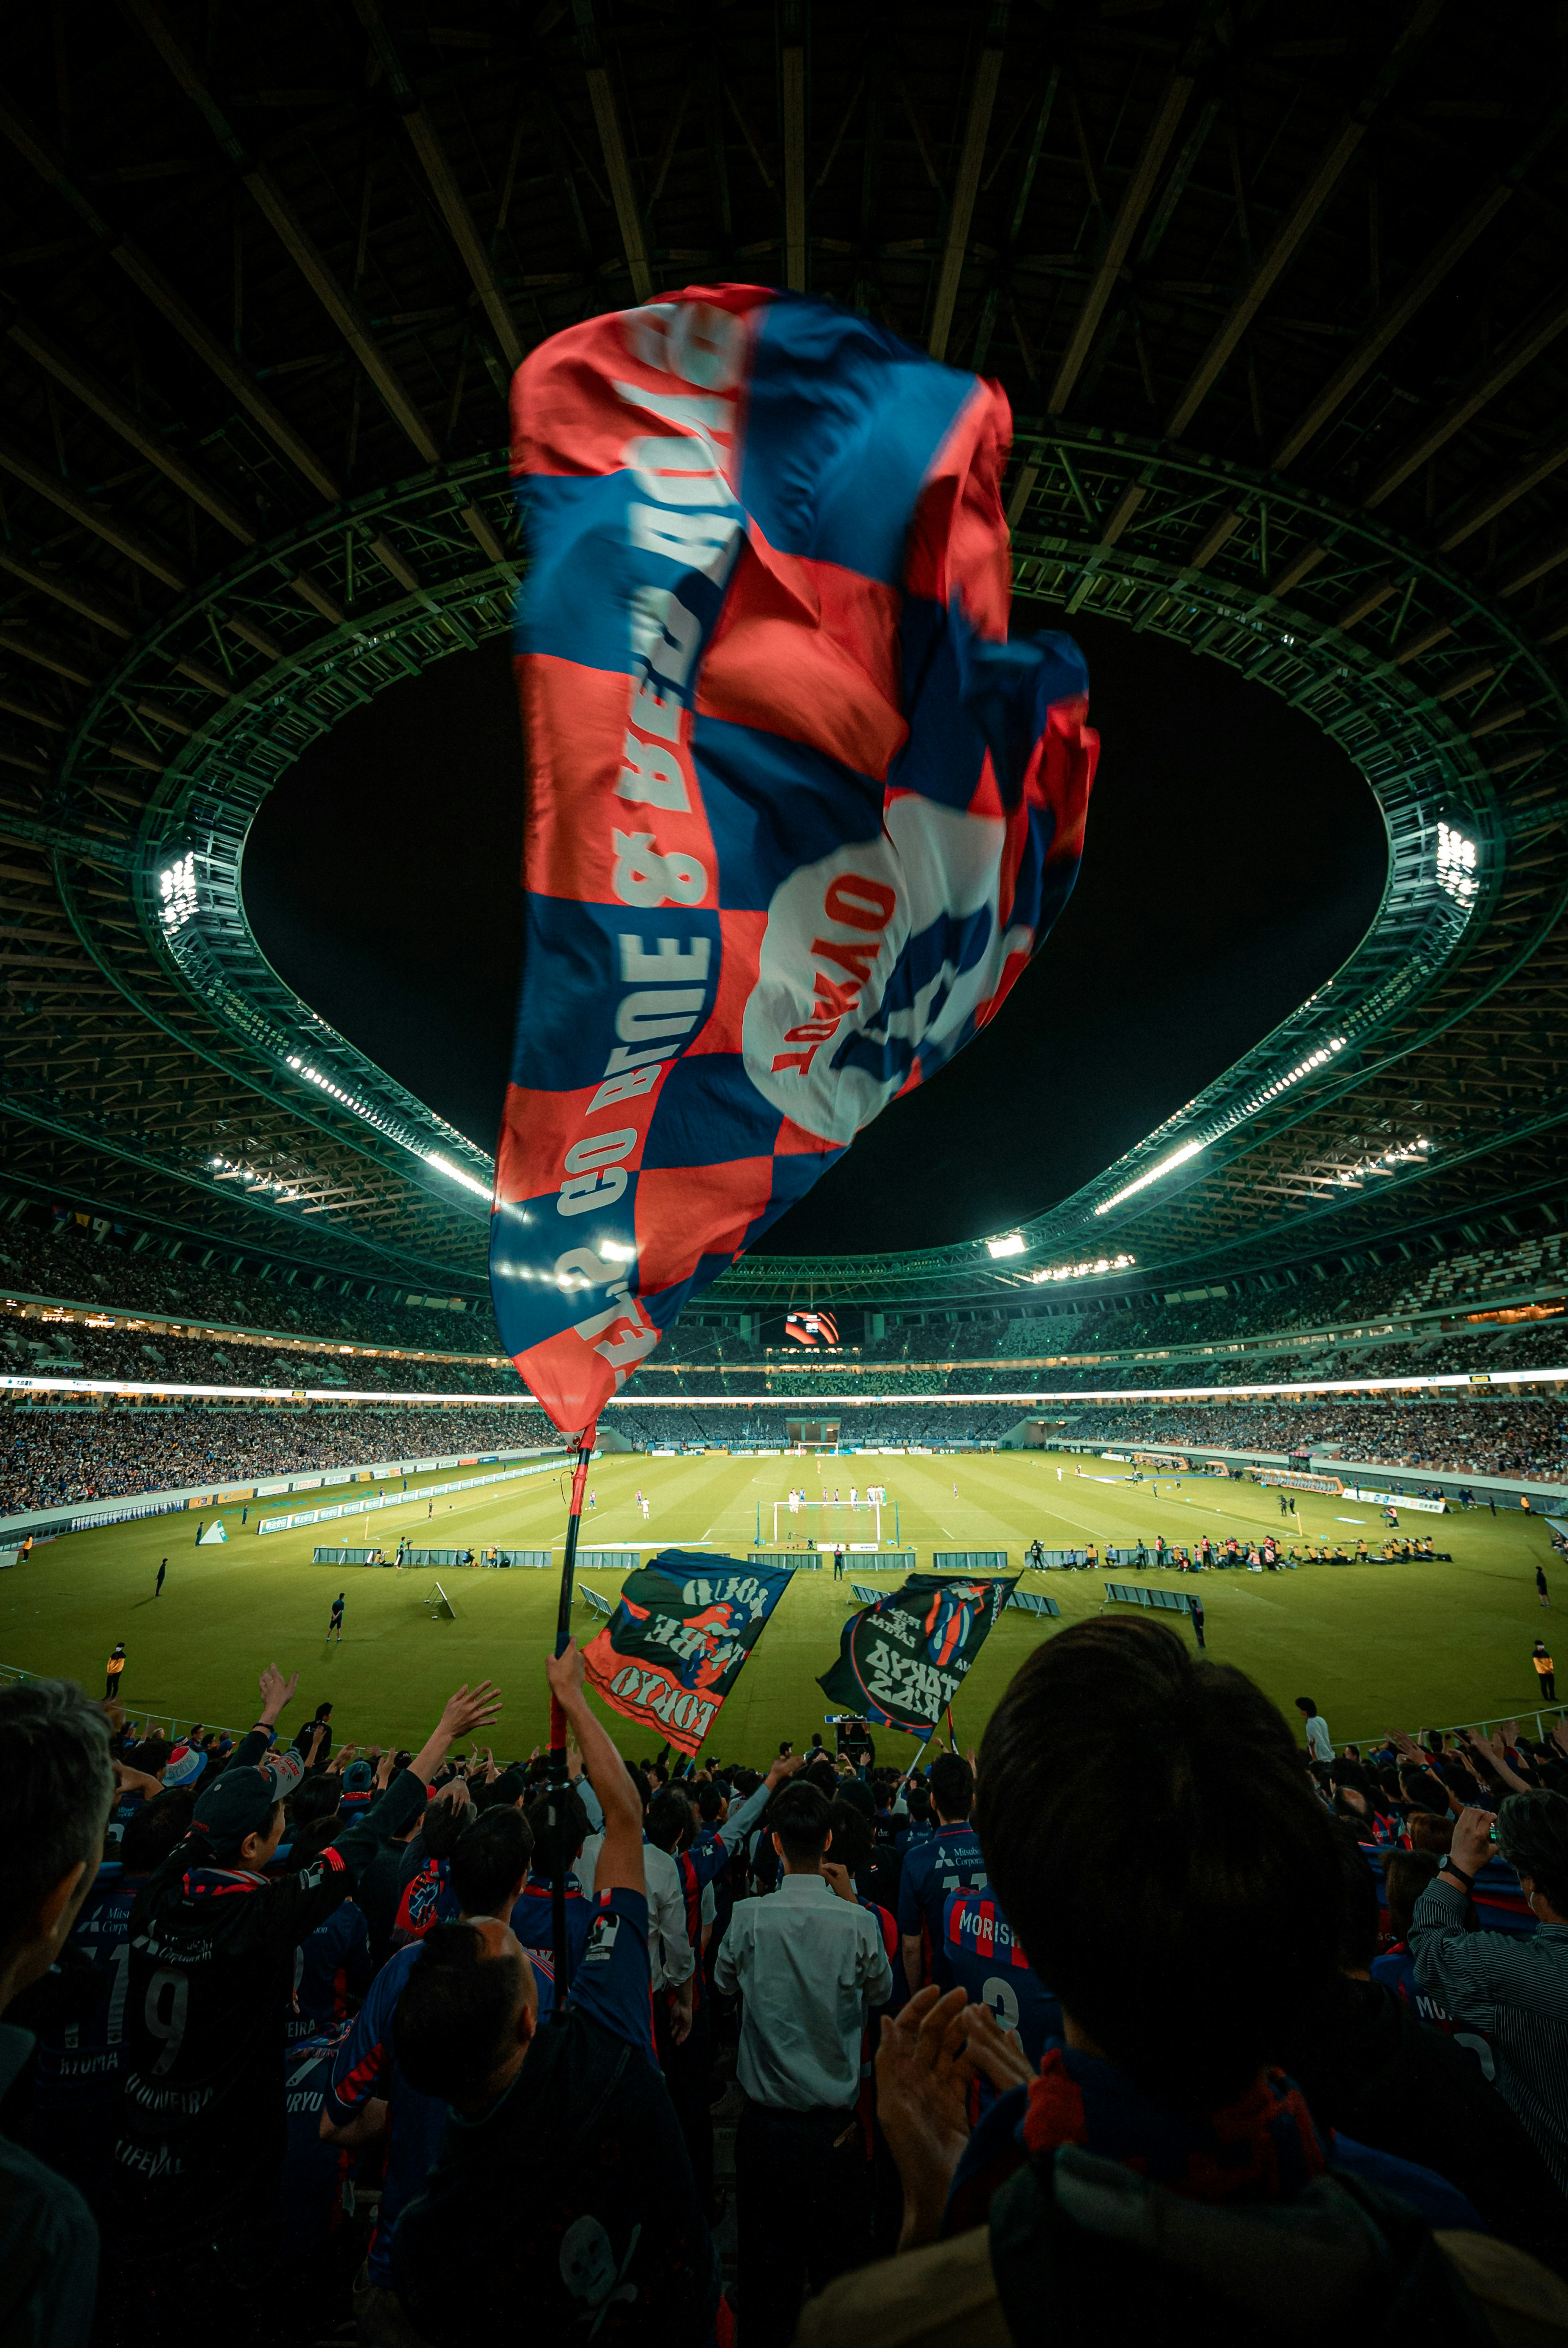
<point>1136,1593</point>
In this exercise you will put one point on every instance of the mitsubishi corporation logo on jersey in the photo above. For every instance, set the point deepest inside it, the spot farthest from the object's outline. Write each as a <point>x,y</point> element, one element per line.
<point>874,963</point>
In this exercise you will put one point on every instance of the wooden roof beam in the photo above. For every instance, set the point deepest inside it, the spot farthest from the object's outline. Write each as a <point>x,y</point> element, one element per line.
<point>1270,265</point>
<point>73,594</point>
<point>438,168</point>
<point>1428,275</point>
<point>792,76</point>
<point>1490,502</point>
<point>976,129</point>
<point>1135,202</point>
<point>110,409</point>
<point>89,516</point>
<point>616,163</point>
<point>1325,178</point>
<point>1519,350</point>
<point>341,306</point>
<point>173,306</point>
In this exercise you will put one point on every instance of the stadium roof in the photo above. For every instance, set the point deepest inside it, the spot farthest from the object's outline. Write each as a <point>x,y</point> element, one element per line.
<point>1278,295</point>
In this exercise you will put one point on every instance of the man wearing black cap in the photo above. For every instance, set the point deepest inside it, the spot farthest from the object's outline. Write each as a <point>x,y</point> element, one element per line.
<point>200,2143</point>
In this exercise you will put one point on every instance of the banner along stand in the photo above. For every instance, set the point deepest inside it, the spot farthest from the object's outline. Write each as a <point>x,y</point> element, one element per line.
<point>560,1782</point>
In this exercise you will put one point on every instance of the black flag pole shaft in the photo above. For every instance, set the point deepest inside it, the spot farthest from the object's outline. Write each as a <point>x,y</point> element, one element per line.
<point>559,1781</point>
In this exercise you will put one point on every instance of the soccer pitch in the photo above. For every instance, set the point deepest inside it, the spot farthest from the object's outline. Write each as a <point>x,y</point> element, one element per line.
<point>1378,1646</point>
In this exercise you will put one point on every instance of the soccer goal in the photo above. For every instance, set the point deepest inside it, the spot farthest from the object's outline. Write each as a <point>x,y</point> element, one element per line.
<point>439,1607</point>
<point>850,1516</point>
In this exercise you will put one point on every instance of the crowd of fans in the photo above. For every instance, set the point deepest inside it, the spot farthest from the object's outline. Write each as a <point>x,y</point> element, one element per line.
<point>85,1260</point>
<point>82,1259</point>
<point>60,1456</point>
<point>1508,1438</point>
<point>1150,2021</point>
<point>55,1459</point>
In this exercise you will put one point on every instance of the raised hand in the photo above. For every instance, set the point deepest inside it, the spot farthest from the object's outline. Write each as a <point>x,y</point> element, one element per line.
<point>276,1692</point>
<point>564,1673</point>
<point>923,2074</point>
<point>469,1709</point>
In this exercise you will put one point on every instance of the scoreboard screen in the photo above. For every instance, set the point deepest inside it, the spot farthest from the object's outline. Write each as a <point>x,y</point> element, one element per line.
<point>811,1329</point>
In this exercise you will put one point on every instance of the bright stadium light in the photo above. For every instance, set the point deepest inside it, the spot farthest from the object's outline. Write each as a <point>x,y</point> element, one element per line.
<point>177,891</point>
<point>444,1165</point>
<point>1457,859</point>
<point>1177,1158</point>
<point>1083,1270</point>
<point>1010,1244</point>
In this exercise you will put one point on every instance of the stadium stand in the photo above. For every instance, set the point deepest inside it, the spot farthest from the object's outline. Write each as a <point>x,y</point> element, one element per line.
<point>1344,1869</point>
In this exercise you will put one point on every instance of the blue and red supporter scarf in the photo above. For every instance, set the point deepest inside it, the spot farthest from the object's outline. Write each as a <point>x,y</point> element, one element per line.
<point>1261,2147</point>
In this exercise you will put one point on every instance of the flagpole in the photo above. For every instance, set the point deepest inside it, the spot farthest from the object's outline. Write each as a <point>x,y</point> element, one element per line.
<point>559,1782</point>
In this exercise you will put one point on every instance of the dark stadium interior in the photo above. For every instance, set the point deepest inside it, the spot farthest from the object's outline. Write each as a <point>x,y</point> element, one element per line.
<point>1234,860</point>
<point>1238,1245</point>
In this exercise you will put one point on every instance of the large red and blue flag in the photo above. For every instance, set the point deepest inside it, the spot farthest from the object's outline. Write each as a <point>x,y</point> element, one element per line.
<point>799,812</point>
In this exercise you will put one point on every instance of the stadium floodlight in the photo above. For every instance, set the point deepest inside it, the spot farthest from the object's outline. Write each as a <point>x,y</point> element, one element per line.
<point>457,1173</point>
<point>1010,1244</point>
<point>1457,861</point>
<point>1082,1270</point>
<point>177,891</point>
<point>1166,1165</point>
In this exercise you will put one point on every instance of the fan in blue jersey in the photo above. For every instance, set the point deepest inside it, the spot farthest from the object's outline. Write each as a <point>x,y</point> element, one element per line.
<point>487,1868</point>
<point>562,2189</point>
<point>75,2089</point>
<point>986,1958</point>
<point>948,1860</point>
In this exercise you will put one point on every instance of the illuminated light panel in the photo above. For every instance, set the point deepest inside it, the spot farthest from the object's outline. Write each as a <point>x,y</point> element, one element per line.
<point>1010,1244</point>
<point>1457,861</point>
<point>457,1173</point>
<point>1166,1165</point>
<point>1318,1059</point>
<point>1402,1154</point>
<point>1083,1270</point>
<point>177,891</point>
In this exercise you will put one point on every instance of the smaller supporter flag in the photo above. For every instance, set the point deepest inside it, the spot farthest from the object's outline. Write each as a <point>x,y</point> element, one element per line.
<point>811,1328</point>
<point>903,1661</point>
<point>673,1650</point>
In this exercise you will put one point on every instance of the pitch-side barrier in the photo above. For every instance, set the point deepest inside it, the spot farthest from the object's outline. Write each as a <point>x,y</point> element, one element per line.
<point>408,1500</point>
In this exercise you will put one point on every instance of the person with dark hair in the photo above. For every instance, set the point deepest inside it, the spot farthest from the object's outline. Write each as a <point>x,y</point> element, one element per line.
<point>55,1784</point>
<point>1510,1986</point>
<point>425,1898</point>
<point>948,1860</point>
<point>672,1955</point>
<point>75,2087</point>
<point>1406,1875</point>
<point>1546,1671</point>
<point>562,2198</point>
<point>1146,1821</point>
<point>533,1912</point>
<point>335,1626</point>
<point>488,1864</point>
<point>810,1968</point>
<point>213,1938</point>
<point>1410,2110</point>
<point>1319,1746</point>
<point>687,2063</point>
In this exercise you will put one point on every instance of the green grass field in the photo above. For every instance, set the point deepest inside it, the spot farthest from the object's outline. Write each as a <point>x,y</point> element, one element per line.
<point>1378,1646</point>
